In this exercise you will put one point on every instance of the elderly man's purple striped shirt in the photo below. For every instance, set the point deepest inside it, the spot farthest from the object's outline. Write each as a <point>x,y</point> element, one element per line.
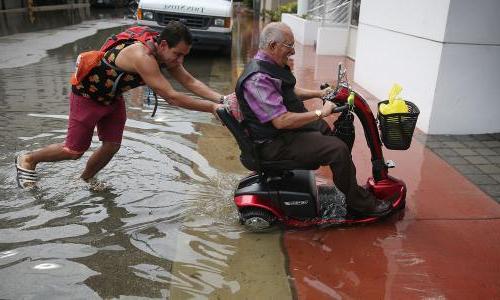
<point>263,93</point>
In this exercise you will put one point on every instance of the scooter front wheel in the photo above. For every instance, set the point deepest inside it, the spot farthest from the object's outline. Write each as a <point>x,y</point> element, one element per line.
<point>257,219</point>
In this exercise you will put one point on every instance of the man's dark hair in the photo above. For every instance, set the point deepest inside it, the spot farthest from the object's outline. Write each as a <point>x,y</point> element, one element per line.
<point>175,32</point>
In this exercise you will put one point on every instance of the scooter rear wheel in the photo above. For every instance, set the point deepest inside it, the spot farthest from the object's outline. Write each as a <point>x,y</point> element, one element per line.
<point>257,219</point>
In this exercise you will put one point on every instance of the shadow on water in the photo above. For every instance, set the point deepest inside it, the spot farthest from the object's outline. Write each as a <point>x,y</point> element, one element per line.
<point>164,225</point>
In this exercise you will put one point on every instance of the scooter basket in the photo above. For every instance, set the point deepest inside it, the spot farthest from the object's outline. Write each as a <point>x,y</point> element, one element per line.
<point>397,129</point>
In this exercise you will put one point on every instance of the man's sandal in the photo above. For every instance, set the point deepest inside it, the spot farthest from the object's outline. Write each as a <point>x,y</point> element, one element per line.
<point>25,178</point>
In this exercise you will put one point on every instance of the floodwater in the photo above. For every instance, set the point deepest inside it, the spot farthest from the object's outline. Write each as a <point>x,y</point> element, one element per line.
<point>164,226</point>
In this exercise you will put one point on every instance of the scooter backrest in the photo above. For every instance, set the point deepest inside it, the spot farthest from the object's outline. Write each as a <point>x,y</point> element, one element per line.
<point>248,155</point>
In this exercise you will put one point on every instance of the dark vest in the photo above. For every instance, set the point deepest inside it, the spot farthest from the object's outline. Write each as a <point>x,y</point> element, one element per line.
<point>263,131</point>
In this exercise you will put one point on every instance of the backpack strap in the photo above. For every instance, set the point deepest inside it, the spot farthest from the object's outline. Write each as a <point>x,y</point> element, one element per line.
<point>150,44</point>
<point>156,105</point>
<point>120,75</point>
<point>142,34</point>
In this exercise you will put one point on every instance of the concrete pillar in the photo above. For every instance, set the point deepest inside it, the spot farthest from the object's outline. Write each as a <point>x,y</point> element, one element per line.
<point>445,54</point>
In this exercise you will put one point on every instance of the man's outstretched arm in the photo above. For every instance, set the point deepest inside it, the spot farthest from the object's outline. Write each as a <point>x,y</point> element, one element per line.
<point>148,69</point>
<point>194,85</point>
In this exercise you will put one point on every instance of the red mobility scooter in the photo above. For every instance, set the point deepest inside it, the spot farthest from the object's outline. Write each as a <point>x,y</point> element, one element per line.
<point>283,192</point>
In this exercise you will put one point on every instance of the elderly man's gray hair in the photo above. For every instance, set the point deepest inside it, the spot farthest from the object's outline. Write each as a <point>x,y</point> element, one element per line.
<point>272,32</point>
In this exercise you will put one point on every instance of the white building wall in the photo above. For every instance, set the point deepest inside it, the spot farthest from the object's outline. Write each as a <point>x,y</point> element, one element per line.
<point>421,18</point>
<point>467,93</point>
<point>387,57</point>
<point>445,54</point>
<point>474,22</point>
<point>351,43</point>
<point>304,31</point>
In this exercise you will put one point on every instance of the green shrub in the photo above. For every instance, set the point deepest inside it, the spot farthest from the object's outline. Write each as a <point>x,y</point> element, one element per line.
<point>275,15</point>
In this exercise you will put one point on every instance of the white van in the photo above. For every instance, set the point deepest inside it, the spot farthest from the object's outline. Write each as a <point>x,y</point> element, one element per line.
<point>210,21</point>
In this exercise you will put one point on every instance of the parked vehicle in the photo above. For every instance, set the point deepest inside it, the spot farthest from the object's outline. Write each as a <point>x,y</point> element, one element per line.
<point>210,21</point>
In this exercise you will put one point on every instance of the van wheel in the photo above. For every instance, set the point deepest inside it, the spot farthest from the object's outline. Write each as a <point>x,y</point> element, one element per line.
<point>257,219</point>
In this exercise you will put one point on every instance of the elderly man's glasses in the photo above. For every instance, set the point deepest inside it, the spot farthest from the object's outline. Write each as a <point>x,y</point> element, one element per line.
<point>289,46</point>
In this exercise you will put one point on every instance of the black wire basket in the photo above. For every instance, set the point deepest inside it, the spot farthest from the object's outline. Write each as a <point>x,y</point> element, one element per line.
<point>397,129</point>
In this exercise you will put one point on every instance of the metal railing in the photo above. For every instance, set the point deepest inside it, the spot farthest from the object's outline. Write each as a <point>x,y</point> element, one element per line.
<point>330,12</point>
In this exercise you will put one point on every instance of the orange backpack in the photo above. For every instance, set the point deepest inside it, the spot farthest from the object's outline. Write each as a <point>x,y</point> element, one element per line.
<point>86,61</point>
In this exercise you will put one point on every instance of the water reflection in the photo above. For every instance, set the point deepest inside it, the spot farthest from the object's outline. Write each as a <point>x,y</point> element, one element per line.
<point>40,264</point>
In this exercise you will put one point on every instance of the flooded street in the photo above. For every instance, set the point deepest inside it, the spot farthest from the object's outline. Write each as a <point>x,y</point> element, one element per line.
<point>165,225</point>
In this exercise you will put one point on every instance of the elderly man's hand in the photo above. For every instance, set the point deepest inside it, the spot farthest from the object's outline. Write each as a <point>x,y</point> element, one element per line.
<point>327,108</point>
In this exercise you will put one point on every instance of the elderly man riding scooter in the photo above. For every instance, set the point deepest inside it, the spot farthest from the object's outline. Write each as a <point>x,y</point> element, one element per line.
<point>276,118</point>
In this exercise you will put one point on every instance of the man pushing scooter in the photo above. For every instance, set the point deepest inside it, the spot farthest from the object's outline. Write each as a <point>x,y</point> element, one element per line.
<point>127,60</point>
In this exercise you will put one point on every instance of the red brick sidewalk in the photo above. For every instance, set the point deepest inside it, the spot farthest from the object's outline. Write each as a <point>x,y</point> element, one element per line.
<point>444,245</point>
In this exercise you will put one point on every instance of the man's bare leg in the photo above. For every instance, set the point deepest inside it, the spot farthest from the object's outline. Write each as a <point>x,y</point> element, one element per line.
<point>50,153</point>
<point>99,159</point>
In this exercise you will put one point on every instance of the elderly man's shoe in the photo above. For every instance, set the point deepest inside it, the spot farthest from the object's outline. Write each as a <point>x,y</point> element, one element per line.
<point>379,208</point>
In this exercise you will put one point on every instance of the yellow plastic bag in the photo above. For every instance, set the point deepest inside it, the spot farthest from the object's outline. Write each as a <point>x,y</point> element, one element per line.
<point>396,104</point>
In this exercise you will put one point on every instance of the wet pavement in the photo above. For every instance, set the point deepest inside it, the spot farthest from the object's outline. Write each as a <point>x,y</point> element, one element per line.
<point>166,226</point>
<point>477,157</point>
<point>443,245</point>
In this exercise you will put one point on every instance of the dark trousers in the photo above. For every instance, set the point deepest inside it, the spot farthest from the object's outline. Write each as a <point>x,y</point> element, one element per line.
<point>321,147</point>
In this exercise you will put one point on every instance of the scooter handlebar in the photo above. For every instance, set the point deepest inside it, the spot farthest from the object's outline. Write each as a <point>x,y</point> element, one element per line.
<point>340,108</point>
<point>330,96</point>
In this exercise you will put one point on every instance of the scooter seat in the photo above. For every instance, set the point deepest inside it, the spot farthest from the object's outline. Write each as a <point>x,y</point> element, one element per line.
<point>285,165</point>
<point>249,156</point>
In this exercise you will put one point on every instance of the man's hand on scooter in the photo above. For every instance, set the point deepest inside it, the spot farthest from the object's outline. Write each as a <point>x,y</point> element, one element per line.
<point>214,111</point>
<point>327,108</point>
